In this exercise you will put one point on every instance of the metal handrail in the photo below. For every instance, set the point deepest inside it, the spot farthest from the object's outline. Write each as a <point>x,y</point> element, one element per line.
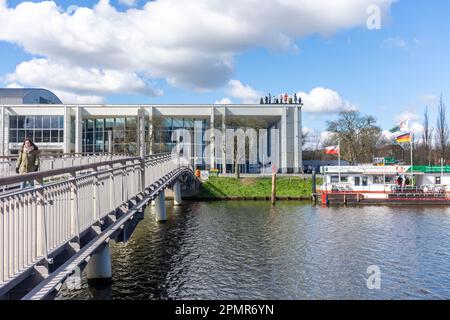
<point>36,221</point>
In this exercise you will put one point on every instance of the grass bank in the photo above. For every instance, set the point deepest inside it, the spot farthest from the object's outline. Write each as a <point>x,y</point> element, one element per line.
<point>259,187</point>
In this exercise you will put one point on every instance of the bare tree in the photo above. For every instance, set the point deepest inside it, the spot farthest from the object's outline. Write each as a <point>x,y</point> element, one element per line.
<point>427,136</point>
<point>442,131</point>
<point>358,135</point>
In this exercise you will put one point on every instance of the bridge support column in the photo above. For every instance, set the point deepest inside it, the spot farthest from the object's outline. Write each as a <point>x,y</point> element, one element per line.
<point>160,207</point>
<point>99,266</point>
<point>177,193</point>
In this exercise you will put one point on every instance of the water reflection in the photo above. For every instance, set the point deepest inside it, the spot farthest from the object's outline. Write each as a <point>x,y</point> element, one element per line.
<point>252,250</point>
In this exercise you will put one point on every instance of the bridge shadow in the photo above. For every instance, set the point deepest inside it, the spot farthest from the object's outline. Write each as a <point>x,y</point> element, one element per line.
<point>211,191</point>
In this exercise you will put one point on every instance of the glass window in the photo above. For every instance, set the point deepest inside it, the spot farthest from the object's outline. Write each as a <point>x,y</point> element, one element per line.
<point>438,180</point>
<point>38,122</point>
<point>167,123</point>
<point>54,122</point>
<point>390,179</point>
<point>54,136</point>
<point>188,123</point>
<point>99,124</point>
<point>89,124</point>
<point>21,135</point>
<point>46,122</point>
<point>334,179</point>
<point>357,181</point>
<point>344,179</point>
<point>13,122</point>
<point>364,181</point>
<point>29,122</point>
<point>109,123</point>
<point>61,136</point>
<point>38,136</point>
<point>13,135</point>
<point>131,123</point>
<point>20,122</point>
<point>120,123</point>
<point>378,179</point>
<point>29,134</point>
<point>61,122</point>
<point>46,136</point>
<point>177,123</point>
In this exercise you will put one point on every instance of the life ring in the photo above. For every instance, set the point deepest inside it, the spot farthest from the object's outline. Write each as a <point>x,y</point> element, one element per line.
<point>400,169</point>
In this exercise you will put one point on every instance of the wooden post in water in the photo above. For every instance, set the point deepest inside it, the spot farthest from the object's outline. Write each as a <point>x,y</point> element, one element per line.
<point>274,184</point>
<point>314,189</point>
<point>274,188</point>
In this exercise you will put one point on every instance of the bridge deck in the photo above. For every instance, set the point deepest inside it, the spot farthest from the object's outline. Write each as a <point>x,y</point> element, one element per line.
<point>86,206</point>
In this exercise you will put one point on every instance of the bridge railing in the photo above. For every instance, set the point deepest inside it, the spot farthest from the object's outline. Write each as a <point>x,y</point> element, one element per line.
<point>36,221</point>
<point>57,161</point>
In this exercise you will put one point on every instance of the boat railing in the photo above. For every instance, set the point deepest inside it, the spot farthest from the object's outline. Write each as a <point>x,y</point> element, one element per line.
<point>419,189</point>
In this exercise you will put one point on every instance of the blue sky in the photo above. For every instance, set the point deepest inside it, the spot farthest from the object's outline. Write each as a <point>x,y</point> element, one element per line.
<point>391,73</point>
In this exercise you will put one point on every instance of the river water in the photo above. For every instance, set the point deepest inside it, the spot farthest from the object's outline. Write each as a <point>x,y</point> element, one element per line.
<point>251,250</point>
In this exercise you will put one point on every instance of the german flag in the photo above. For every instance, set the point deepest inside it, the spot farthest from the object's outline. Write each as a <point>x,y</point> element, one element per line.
<point>406,137</point>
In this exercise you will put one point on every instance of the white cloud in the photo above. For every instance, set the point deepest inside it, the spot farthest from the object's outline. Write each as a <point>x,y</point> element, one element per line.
<point>407,115</point>
<point>128,3</point>
<point>223,101</point>
<point>429,99</point>
<point>245,93</point>
<point>415,126</point>
<point>394,42</point>
<point>14,85</point>
<point>70,98</point>
<point>321,100</point>
<point>191,44</point>
<point>316,139</point>
<point>78,80</point>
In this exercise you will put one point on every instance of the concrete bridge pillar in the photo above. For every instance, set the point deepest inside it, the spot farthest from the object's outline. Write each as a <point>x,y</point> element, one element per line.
<point>177,193</point>
<point>99,266</point>
<point>160,207</point>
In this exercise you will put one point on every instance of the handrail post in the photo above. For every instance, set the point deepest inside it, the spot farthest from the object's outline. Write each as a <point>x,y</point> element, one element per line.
<point>142,168</point>
<point>96,196</point>
<point>74,214</point>
<point>41,220</point>
<point>111,187</point>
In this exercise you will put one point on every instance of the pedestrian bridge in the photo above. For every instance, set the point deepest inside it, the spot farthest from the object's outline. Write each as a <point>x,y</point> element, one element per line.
<point>64,221</point>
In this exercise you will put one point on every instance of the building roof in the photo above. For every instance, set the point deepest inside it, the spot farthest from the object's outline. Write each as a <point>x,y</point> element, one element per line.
<point>28,96</point>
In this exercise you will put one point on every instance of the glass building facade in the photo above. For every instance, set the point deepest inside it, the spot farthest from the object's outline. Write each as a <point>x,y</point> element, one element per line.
<point>164,127</point>
<point>123,134</point>
<point>40,129</point>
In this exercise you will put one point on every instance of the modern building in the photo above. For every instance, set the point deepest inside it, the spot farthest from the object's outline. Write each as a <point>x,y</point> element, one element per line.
<point>146,129</point>
<point>27,96</point>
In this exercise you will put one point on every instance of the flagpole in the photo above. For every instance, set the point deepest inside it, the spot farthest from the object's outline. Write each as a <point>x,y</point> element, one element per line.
<point>339,160</point>
<point>412,171</point>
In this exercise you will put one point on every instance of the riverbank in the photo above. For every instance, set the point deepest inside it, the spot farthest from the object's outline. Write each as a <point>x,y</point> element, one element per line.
<point>255,188</point>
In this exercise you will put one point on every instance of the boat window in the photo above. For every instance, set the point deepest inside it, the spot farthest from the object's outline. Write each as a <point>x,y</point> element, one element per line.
<point>378,179</point>
<point>390,180</point>
<point>438,180</point>
<point>334,179</point>
<point>344,179</point>
<point>357,181</point>
<point>364,181</point>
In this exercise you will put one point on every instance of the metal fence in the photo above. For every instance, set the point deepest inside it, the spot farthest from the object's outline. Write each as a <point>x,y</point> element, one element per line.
<point>35,221</point>
<point>58,161</point>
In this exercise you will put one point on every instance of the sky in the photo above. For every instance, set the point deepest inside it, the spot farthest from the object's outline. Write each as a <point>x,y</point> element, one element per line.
<point>336,55</point>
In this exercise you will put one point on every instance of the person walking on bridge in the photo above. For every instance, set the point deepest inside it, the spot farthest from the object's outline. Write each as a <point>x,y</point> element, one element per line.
<point>28,160</point>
